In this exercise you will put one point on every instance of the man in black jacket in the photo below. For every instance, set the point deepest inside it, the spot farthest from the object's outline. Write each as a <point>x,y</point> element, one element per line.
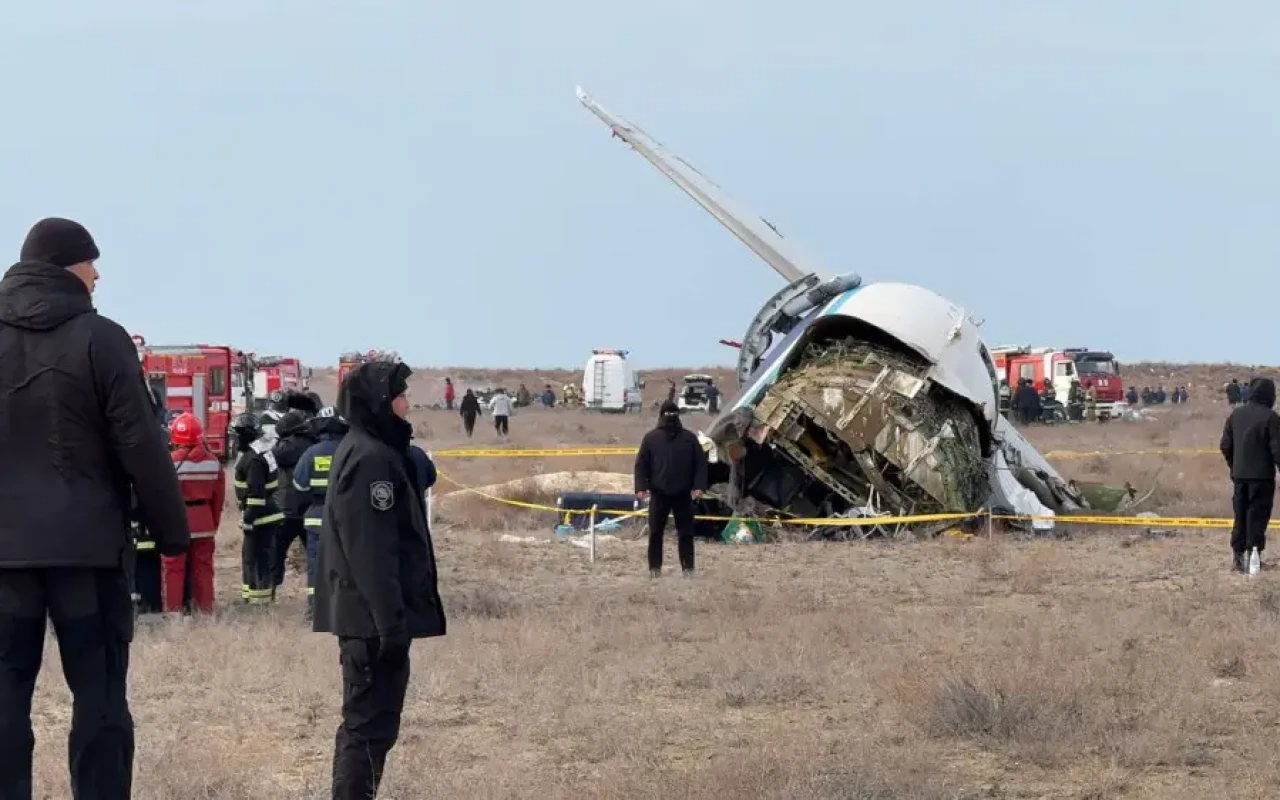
<point>376,571</point>
<point>670,472</point>
<point>1251,446</point>
<point>77,433</point>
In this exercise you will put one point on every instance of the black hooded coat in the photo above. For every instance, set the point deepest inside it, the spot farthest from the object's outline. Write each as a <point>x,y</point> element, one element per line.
<point>376,567</point>
<point>1251,436</point>
<point>671,459</point>
<point>78,431</point>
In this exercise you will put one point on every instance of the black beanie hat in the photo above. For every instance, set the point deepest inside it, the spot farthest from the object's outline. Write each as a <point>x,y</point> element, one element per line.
<point>60,242</point>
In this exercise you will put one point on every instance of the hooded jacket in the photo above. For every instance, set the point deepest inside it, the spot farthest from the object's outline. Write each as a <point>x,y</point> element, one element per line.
<point>671,459</point>
<point>376,568</point>
<point>1251,437</point>
<point>77,431</point>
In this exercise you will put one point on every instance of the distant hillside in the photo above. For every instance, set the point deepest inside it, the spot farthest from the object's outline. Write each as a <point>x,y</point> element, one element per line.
<point>427,384</point>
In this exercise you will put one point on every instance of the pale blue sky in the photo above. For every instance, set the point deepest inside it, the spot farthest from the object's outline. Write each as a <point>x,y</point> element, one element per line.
<point>419,175</point>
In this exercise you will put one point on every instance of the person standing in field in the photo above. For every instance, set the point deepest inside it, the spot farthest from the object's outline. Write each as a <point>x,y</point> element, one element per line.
<point>670,473</point>
<point>376,571</point>
<point>1251,446</point>
<point>78,431</point>
<point>448,394</point>
<point>469,409</point>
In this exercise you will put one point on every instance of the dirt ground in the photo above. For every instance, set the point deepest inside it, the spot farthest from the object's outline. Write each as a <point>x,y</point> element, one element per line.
<point>1110,663</point>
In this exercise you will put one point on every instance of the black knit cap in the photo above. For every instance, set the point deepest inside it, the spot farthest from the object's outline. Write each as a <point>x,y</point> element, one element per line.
<point>58,241</point>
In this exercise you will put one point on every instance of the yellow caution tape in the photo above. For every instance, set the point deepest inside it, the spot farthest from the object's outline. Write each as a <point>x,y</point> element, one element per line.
<point>557,453</point>
<point>630,451</point>
<point>857,522</point>
<point>1168,451</point>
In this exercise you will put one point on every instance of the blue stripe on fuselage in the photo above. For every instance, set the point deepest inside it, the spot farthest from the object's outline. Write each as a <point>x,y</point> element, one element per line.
<point>767,372</point>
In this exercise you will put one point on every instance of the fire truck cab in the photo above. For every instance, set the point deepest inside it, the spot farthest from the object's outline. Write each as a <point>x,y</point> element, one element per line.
<point>350,360</point>
<point>199,379</point>
<point>1096,368</point>
<point>276,373</point>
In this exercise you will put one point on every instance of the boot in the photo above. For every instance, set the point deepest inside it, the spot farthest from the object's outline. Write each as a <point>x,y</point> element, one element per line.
<point>1238,563</point>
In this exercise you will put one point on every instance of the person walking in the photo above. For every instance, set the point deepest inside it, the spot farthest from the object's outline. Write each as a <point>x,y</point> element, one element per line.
<point>449,393</point>
<point>469,408</point>
<point>77,432</point>
<point>1251,446</point>
<point>500,407</point>
<point>376,572</point>
<point>670,473</point>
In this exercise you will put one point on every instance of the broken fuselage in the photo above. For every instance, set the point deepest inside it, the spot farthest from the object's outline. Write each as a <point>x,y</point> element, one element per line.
<point>856,400</point>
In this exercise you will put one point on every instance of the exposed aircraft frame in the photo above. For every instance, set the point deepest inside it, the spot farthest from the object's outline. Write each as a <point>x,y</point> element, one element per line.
<point>830,373</point>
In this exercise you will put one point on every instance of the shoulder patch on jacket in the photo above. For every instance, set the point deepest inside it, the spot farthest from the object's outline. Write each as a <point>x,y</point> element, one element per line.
<point>383,495</point>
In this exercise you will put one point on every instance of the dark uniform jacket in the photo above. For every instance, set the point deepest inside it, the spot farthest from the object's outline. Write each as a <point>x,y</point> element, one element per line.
<point>1251,436</point>
<point>288,452</point>
<point>671,461</point>
<point>376,568</point>
<point>311,479</point>
<point>77,431</point>
<point>256,481</point>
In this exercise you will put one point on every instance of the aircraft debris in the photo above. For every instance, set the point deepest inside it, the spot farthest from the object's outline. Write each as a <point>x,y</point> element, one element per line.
<point>872,400</point>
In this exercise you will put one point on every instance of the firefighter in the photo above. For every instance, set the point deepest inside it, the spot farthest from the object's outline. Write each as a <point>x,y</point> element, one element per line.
<point>146,566</point>
<point>1090,403</point>
<point>376,590</point>
<point>570,394</point>
<point>204,487</point>
<point>311,482</point>
<point>256,481</point>
<point>277,406</point>
<point>294,434</point>
<point>1075,401</point>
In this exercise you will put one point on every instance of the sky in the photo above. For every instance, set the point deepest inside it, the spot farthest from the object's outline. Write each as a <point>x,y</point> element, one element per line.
<point>307,177</point>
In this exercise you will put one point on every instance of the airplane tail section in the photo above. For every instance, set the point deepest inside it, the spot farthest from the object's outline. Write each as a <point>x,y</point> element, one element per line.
<point>754,231</point>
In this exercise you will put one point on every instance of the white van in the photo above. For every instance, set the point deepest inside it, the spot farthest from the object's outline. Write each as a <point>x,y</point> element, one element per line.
<point>609,384</point>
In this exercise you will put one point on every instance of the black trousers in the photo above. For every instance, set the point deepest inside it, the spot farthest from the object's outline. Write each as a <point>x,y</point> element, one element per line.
<point>500,424</point>
<point>468,423</point>
<point>93,621</point>
<point>291,529</point>
<point>662,506</point>
<point>1252,501</point>
<point>257,564</point>
<point>373,689</point>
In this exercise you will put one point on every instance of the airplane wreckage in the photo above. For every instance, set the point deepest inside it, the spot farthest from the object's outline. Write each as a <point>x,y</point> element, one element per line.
<point>861,399</point>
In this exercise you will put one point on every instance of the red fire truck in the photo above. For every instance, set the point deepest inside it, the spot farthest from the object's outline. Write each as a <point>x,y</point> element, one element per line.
<point>200,379</point>
<point>276,373</point>
<point>351,360</point>
<point>1096,368</point>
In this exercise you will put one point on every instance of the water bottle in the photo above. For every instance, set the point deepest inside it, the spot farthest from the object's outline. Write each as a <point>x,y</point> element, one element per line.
<point>1255,563</point>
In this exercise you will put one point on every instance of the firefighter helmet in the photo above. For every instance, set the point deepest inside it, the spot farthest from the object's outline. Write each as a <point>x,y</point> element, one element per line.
<point>185,430</point>
<point>291,423</point>
<point>278,401</point>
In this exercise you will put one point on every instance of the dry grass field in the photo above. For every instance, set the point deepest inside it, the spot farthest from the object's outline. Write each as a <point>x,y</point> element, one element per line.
<point>1109,663</point>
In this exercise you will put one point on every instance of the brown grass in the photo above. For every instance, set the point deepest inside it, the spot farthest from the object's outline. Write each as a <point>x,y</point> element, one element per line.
<point>1110,664</point>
